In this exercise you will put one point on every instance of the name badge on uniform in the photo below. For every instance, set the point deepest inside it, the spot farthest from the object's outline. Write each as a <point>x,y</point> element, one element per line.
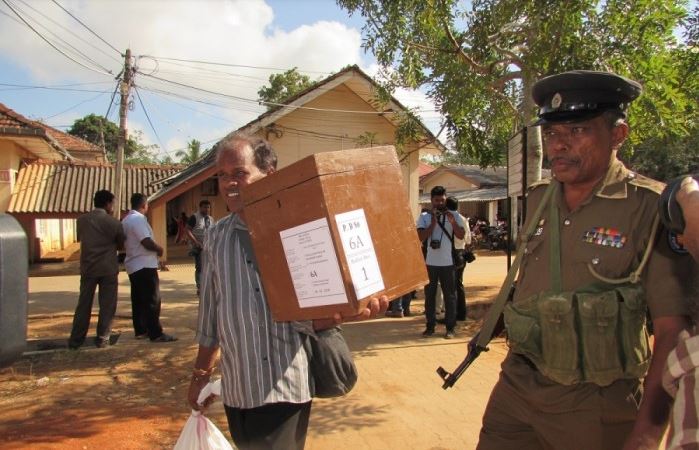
<point>606,237</point>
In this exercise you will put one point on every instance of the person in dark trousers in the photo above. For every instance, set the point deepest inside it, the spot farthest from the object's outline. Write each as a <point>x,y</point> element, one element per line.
<point>595,266</point>
<point>460,245</point>
<point>197,227</point>
<point>439,227</point>
<point>142,266</point>
<point>266,389</point>
<point>100,236</point>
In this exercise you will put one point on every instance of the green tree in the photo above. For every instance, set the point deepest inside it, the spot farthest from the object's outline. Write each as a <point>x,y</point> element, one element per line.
<point>283,86</point>
<point>478,60</point>
<point>671,155</point>
<point>367,139</point>
<point>98,130</point>
<point>192,154</point>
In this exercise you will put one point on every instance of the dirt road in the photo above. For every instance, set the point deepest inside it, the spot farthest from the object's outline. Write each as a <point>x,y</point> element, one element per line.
<point>131,395</point>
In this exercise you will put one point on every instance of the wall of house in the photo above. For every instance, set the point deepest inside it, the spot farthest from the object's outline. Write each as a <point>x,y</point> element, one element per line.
<point>305,132</point>
<point>10,158</point>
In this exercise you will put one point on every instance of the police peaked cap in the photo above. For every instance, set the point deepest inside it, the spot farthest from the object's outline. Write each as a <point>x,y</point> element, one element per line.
<point>581,95</point>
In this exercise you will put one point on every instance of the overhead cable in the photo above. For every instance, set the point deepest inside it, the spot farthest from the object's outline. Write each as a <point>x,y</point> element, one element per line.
<point>108,72</point>
<point>88,28</point>
<point>138,96</point>
<point>68,30</point>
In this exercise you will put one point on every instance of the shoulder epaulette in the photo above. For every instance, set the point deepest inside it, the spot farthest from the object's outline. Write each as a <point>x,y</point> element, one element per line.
<point>536,184</point>
<point>645,182</point>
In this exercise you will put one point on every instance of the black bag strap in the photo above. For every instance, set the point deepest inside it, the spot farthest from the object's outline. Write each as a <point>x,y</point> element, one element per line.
<point>441,225</point>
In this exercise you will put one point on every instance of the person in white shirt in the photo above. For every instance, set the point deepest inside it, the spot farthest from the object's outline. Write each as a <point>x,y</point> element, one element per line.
<point>439,227</point>
<point>141,264</point>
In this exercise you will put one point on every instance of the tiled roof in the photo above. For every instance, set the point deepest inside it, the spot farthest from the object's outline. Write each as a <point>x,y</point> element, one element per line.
<point>67,188</point>
<point>424,169</point>
<point>10,120</point>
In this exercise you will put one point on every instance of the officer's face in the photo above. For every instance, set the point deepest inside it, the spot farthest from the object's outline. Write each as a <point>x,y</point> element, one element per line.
<point>580,152</point>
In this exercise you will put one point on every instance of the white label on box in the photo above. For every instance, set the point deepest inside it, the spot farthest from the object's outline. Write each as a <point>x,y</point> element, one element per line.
<point>359,252</point>
<point>313,264</point>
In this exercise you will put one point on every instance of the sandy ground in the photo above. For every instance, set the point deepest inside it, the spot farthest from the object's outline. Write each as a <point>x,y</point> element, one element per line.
<point>132,395</point>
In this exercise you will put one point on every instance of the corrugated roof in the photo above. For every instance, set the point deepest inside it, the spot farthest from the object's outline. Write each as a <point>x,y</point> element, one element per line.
<point>64,188</point>
<point>488,177</point>
<point>474,195</point>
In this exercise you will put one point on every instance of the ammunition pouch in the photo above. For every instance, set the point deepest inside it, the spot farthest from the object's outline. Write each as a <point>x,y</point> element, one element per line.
<point>596,335</point>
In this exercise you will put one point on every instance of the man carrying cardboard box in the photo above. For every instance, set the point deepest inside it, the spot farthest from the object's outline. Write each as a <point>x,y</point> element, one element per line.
<point>266,386</point>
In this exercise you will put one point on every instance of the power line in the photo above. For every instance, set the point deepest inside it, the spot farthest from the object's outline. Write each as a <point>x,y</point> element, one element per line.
<point>148,117</point>
<point>108,72</point>
<point>88,28</point>
<point>282,105</point>
<point>111,101</point>
<point>23,87</point>
<point>75,106</point>
<point>211,63</point>
<point>67,29</point>
<point>66,45</point>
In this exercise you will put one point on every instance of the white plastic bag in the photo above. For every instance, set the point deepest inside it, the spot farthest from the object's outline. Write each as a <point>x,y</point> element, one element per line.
<point>199,433</point>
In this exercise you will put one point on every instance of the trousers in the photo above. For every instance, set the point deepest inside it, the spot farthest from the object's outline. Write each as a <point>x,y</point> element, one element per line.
<point>444,275</point>
<point>107,299</point>
<point>145,302</point>
<point>276,426</point>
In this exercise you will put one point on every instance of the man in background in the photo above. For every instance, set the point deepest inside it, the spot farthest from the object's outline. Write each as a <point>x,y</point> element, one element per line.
<point>142,266</point>
<point>100,236</point>
<point>460,246</point>
<point>440,226</point>
<point>197,226</point>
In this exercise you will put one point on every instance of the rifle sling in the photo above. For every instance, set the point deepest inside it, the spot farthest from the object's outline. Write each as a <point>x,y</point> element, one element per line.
<point>491,320</point>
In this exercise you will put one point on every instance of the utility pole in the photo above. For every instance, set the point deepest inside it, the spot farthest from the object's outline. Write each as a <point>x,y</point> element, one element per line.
<point>124,91</point>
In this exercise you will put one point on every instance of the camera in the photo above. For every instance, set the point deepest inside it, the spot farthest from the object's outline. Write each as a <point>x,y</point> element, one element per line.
<point>668,208</point>
<point>435,244</point>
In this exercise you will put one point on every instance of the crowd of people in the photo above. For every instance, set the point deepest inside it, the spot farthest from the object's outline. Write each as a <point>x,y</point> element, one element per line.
<point>597,274</point>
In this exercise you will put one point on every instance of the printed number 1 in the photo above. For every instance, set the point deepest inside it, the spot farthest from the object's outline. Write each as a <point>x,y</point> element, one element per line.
<point>366,278</point>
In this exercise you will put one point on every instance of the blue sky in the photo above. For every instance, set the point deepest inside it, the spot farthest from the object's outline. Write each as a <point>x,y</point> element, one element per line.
<point>315,35</point>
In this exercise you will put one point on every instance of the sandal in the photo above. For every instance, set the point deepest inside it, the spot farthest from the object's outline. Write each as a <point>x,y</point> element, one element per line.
<point>164,338</point>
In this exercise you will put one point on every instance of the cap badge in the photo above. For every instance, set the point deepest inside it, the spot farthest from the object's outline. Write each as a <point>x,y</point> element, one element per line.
<point>556,101</point>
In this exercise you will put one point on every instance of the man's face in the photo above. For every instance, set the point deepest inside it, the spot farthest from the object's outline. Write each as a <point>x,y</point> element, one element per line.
<point>580,152</point>
<point>236,169</point>
<point>439,202</point>
<point>205,209</point>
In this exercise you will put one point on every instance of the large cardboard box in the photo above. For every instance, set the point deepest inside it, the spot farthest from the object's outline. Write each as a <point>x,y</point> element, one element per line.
<point>333,230</point>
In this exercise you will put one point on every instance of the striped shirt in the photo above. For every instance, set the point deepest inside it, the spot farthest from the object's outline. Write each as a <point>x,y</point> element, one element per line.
<point>262,361</point>
<point>680,380</point>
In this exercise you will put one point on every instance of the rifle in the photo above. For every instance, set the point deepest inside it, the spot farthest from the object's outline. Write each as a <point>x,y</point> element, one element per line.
<point>494,323</point>
<point>451,378</point>
<point>475,348</point>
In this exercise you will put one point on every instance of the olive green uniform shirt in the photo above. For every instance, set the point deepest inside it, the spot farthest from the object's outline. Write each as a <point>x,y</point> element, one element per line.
<point>610,230</point>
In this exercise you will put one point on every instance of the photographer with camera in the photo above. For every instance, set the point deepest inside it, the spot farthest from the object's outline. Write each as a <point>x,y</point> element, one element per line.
<point>439,227</point>
<point>679,209</point>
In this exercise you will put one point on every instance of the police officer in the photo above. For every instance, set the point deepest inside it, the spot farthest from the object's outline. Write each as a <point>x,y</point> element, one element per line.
<point>596,261</point>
